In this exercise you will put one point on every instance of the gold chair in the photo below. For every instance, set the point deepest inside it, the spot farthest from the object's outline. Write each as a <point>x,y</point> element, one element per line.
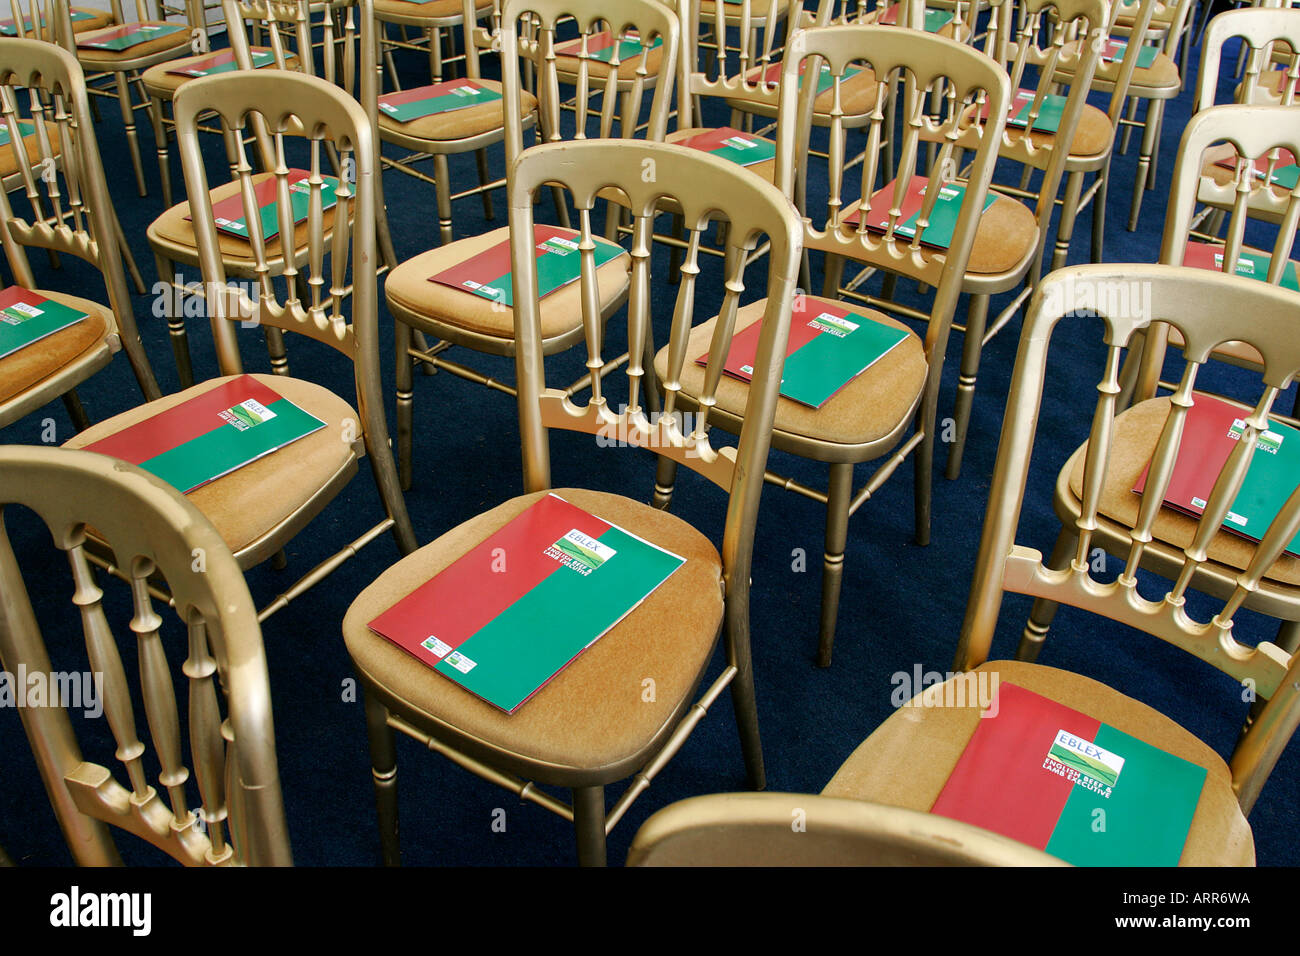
<point>154,533</point>
<point>471,129</point>
<point>68,211</point>
<point>907,760</point>
<point>258,508</point>
<point>804,829</point>
<point>869,417</point>
<point>124,66</point>
<point>592,725</point>
<point>460,317</point>
<point>999,262</point>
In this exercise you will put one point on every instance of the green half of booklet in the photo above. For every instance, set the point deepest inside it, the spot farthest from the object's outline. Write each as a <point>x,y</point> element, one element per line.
<point>230,217</point>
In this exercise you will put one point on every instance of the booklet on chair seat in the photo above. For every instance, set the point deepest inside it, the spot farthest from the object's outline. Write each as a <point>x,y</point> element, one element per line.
<point>601,46</point>
<point>126,36</point>
<point>731,144</point>
<point>829,346</point>
<point>1210,431</point>
<point>935,20</point>
<point>231,218</point>
<point>1049,776</point>
<point>1114,53</point>
<point>223,62</point>
<point>8,28</point>
<point>943,217</point>
<point>27,317</point>
<point>446,97</point>
<point>510,614</point>
<point>211,434</point>
<point>1251,264</point>
<point>824,81</point>
<point>1285,171</point>
<point>559,263</point>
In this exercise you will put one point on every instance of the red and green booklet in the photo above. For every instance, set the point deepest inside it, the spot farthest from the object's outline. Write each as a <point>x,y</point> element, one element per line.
<point>211,434</point>
<point>230,215</point>
<point>935,20</point>
<point>1252,265</point>
<point>943,217</point>
<point>9,28</point>
<point>731,144</point>
<point>1114,53</point>
<point>223,62</point>
<point>27,317</point>
<point>1050,111</point>
<point>829,346</point>
<point>1285,172</point>
<point>601,46</point>
<point>1210,431</point>
<point>126,36</point>
<point>559,263</point>
<point>446,97</point>
<point>1054,778</point>
<point>509,615</point>
<point>824,81</point>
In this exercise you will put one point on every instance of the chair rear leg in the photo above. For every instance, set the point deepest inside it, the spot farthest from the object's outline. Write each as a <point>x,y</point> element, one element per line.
<point>383,763</point>
<point>977,314</point>
<point>589,822</point>
<point>838,498</point>
<point>665,478</point>
<point>128,123</point>
<point>175,320</point>
<point>405,403</point>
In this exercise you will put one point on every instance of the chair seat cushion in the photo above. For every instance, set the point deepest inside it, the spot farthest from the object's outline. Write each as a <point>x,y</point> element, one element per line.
<point>165,45</point>
<point>566,66</point>
<point>1006,235</point>
<point>1158,81</point>
<point>1092,137</point>
<point>858,94</point>
<point>458,124</point>
<point>160,81</point>
<point>593,717</point>
<point>253,500</point>
<point>32,365</point>
<point>1136,432</point>
<point>409,290</point>
<point>907,760</point>
<point>31,143</point>
<point>873,407</point>
<point>767,170</point>
<point>174,228</point>
<point>98,19</point>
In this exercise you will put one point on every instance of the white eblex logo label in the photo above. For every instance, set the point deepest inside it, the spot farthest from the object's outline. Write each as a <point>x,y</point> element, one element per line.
<point>1265,441</point>
<point>247,414</point>
<point>19,312</point>
<point>580,552</point>
<point>439,648</point>
<point>1083,763</point>
<point>833,324</point>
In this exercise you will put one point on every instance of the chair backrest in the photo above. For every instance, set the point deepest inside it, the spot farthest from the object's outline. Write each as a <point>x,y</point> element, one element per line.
<point>48,20</point>
<point>532,30</point>
<point>1209,309</point>
<point>1115,76</point>
<point>1269,34</point>
<point>59,199</point>
<point>705,188</point>
<point>148,530</point>
<point>804,829</point>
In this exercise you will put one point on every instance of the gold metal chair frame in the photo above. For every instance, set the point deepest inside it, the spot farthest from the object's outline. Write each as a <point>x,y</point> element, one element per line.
<point>152,530</point>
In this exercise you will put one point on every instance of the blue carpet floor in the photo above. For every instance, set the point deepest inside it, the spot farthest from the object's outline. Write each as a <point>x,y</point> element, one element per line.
<point>902,604</point>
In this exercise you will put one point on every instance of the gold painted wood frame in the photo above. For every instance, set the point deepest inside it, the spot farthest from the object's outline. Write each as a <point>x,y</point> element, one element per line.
<point>590,726</point>
<point>63,206</point>
<point>154,533</point>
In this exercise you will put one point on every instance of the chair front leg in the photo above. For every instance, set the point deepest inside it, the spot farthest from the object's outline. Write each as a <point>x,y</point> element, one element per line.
<point>838,498</point>
<point>383,762</point>
<point>589,822</point>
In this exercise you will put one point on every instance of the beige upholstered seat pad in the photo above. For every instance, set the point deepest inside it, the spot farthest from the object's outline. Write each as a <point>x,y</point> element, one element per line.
<point>434,10</point>
<point>592,715</point>
<point>1006,234</point>
<point>173,226</point>
<point>1092,136</point>
<point>251,500</point>
<point>757,12</point>
<point>32,145</point>
<point>160,81</point>
<point>1136,432</point>
<point>408,287</point>
<point>32,365</point>
<point>867,409</point>
<point>460,124</point>
<point>907,760</point>
<point>109,59</point>
<point>567,66</point>
<point>1161,76</point>
<point>767,170</point>
<point>858,93</point>
<point>99,20</point>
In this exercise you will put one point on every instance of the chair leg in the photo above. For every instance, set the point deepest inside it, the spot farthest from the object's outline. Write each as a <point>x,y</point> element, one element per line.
<point>744,701</point>
<point>128,123</point>
<point>833,271</point>
<point>1150,134</point>
<point>589,822</point>
<point>480,157</point>
<point>161,144</point>
<point>838,498</point>
<point>1130,114</point>
<point>1099,214</point>
<point>924,474</point>
<point>1069,211</point>
<point>405,403</point>
<point>1040,616</point>
<point>1288,636</point>
<point>383,763</point>
<point>175,322</point>
<point>977,315</point>
<point>665,478</point>
<point>72,402</point>
<point>442,176</point>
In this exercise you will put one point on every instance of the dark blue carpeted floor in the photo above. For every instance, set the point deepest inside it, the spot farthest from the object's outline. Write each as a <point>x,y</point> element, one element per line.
<point>902,604</point>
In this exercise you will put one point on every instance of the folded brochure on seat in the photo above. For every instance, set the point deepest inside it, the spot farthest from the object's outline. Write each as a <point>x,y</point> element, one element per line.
<point>943,217</point>
<point>507,616</point>
<point>126,36</point>
<point>27,317</point>
<point>222,62</point>
<point>601,46</point>
<point>1050,110</point>
<point>1285,172</point>
<point>829,346</point>
<point>446,97</point>
<point>1210,431</point>
<point>1250,264</point>
<point>935,20</point>
<point>211,434</point>
<point>1049,776</point>
<point>731,144</point>
<point>559,262</point>
<point>231,217</point>
<point>825,79</point>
